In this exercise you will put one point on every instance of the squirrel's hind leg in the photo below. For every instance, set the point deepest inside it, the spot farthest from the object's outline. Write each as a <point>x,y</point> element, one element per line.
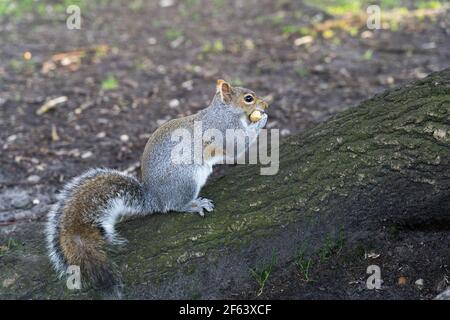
<point>199,205</point>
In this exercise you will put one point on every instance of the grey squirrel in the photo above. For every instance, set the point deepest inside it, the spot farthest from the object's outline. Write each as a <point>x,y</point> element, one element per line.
<point>81,222</point>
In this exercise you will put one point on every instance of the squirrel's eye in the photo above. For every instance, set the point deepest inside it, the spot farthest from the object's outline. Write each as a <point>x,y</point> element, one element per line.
<point>248,98</point>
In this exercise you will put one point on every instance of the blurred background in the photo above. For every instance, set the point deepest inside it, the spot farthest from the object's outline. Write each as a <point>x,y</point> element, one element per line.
<point>89,97</point>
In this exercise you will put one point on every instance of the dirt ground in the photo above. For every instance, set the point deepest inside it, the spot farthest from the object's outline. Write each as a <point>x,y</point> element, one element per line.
<point>134,65</point>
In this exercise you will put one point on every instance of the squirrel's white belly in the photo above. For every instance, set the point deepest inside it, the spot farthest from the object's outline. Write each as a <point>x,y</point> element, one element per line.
<point>202,174</point>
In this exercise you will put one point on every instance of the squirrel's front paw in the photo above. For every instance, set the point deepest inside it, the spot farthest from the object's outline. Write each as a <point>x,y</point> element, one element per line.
<point>199,205</point>
<point>260,123</point>
<point>263,121</point>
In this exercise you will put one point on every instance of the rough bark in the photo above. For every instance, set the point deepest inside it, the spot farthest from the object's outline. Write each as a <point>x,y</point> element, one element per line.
<point>384,162</point>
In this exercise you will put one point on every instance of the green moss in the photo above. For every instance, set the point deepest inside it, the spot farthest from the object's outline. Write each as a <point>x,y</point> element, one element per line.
<point>195,294</point>
<point>173,34</point>
<point>8,246</point>
<point>110,83</point>
<point>45,8</point>
<point>341,7</point>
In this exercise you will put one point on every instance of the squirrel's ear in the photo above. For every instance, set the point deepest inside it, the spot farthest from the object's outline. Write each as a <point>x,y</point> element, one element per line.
<point>224,89</point>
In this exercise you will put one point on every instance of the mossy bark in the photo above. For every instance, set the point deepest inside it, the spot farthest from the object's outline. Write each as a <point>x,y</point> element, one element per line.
<point>384,162</point>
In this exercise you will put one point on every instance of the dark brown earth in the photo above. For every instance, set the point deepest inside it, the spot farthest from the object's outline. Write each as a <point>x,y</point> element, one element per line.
<point>165,62</point>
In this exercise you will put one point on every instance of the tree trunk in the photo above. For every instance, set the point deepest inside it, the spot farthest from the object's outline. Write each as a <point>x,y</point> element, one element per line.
<point>382,164</point>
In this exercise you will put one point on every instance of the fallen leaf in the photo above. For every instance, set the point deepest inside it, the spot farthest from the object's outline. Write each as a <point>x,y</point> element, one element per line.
<point>55,136</point>
<point>27,55</point>
<point>303,40</point>
<point>373,255</point>
<point>402,281</point>
<point>51,104</point>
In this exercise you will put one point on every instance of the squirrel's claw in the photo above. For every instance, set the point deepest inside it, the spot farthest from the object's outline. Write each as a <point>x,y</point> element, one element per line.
<point>199,205</point>
<point>206,204</point>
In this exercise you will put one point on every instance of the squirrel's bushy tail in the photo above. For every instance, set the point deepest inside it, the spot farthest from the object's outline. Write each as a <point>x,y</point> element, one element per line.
<point>81,225</point>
